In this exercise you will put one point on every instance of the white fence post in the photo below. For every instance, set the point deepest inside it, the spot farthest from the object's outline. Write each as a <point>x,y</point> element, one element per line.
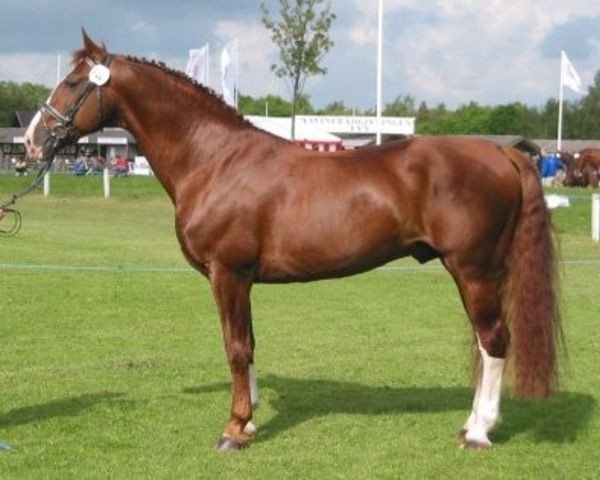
<point>106,182</point>
<point>596,217</point>
<point>46,184</point>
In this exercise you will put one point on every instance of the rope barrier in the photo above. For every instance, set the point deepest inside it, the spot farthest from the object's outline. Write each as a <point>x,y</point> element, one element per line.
<point>158,269</point>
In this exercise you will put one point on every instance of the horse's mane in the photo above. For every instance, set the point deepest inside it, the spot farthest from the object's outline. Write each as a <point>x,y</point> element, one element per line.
<point>208,93</point>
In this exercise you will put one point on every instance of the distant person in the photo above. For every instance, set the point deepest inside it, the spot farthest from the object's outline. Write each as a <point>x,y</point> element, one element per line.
<point>21,167</point>
<point>80,167</point>
<point>550,166</point>
<point>97,165</point>
<point>120,166</point>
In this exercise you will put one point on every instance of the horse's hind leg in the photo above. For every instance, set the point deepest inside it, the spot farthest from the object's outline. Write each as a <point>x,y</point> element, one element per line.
<point>481,294</point>
<point>232,295</point>
<point>250,428</point>
<point>486,404</point>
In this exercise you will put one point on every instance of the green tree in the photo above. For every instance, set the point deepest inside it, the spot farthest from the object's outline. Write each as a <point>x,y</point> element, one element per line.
<point>548,119</point>
<point>468,120</point>
<point>273,105</point>
<point>431,121</point>
<point>248,105</point>
<point>336,107</point>
<point>302,35</point>
<point>513,119</point>
<point>401,107</point>
<point>14,97</point>
<point>303,105</point>
<point>588,111</point>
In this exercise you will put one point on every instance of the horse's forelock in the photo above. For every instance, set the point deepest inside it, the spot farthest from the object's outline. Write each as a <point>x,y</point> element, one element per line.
<point>83,53</point>
<point>77,56</point>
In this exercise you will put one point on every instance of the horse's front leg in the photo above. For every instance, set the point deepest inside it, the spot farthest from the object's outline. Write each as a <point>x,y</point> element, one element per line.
<point>232,295</point>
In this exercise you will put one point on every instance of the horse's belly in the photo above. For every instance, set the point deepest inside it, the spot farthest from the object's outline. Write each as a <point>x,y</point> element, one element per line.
<point>340,232</point>
<point>328,257</point>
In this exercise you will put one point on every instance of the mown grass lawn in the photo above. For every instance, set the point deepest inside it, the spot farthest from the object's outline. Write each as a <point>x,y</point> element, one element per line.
<point>112,364</point>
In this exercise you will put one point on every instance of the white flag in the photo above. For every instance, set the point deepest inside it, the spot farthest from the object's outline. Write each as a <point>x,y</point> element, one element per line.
<point>198,65</point>
<point>570,77</point>
<point>229,72</point>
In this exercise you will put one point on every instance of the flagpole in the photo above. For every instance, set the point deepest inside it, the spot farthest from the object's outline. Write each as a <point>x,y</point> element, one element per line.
<point>560,104</point>
<point>58,68</point>
<point>379,69</point>
<point>207,75</point>
<point>237,72</point>
<point>46,185</point>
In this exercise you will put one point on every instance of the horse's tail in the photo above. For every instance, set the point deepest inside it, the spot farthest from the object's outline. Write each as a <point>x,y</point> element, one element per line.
<point>530,296</point>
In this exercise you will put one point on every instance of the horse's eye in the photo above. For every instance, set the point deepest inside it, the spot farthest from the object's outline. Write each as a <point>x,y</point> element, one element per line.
<point>71,82</point>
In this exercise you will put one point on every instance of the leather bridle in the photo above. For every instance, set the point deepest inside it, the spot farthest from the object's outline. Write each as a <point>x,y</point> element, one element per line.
<point>64,130</point>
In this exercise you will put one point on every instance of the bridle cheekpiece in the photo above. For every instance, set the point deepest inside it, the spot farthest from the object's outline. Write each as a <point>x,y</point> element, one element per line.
<point>98,76</point>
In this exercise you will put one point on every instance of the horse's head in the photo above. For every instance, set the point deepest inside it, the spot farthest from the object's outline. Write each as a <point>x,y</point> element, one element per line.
<point>567,158</point>
<point>80,104</point>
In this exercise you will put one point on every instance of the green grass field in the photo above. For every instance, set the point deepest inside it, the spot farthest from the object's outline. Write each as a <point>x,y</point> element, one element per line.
<point>112,363</point>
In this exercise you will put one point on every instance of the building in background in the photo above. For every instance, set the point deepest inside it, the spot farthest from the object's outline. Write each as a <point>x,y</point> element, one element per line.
<point>358,131</point>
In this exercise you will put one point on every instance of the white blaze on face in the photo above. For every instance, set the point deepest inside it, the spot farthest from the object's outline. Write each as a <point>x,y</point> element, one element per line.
<point>35,151</point>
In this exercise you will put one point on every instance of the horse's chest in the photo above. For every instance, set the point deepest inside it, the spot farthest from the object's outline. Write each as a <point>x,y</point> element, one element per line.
<point>208,236</point>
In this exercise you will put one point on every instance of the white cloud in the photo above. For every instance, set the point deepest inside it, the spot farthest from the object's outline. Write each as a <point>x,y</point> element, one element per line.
<point>143,28</point>
<point>461,50</point>
<point>452,51</point>
<point>32,67</point>
<point>256,54</point>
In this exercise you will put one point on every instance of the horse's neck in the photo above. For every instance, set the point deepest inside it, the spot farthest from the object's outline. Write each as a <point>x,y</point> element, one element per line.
<point>178,130</point>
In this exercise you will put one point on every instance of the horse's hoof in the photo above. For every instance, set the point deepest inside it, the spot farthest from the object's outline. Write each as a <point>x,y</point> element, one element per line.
<point>477,445</point>
<point>250,429</point>
<point>228,444</point>
<point>481,442</point>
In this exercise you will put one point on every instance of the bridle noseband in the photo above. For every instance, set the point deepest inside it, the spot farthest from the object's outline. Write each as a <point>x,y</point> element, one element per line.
<point>64,129</point>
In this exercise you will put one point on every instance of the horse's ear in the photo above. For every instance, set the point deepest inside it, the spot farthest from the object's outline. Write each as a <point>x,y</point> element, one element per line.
<point>92,49</point>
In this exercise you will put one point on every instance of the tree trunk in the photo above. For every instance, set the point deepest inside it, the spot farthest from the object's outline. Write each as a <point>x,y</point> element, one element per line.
<point>293,133</point>
<point>294,104</point>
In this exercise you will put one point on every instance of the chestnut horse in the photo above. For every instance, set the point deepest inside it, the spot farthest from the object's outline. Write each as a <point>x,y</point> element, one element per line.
<point>582,168</point>
<point>251,207</point>
<point>574,175</point>
<point>588,160</point>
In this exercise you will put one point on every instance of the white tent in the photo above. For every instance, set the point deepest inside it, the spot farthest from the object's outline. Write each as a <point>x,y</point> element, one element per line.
<point>310,137</point>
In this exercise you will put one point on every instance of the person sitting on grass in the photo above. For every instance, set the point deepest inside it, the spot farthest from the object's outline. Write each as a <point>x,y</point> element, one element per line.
<point>120,166</point>
<point>21,168</point>
<point>551,164</point>
<point>80,167</point>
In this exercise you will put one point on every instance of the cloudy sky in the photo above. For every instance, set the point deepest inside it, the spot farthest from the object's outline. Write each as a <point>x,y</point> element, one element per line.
<point>451,51</point>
